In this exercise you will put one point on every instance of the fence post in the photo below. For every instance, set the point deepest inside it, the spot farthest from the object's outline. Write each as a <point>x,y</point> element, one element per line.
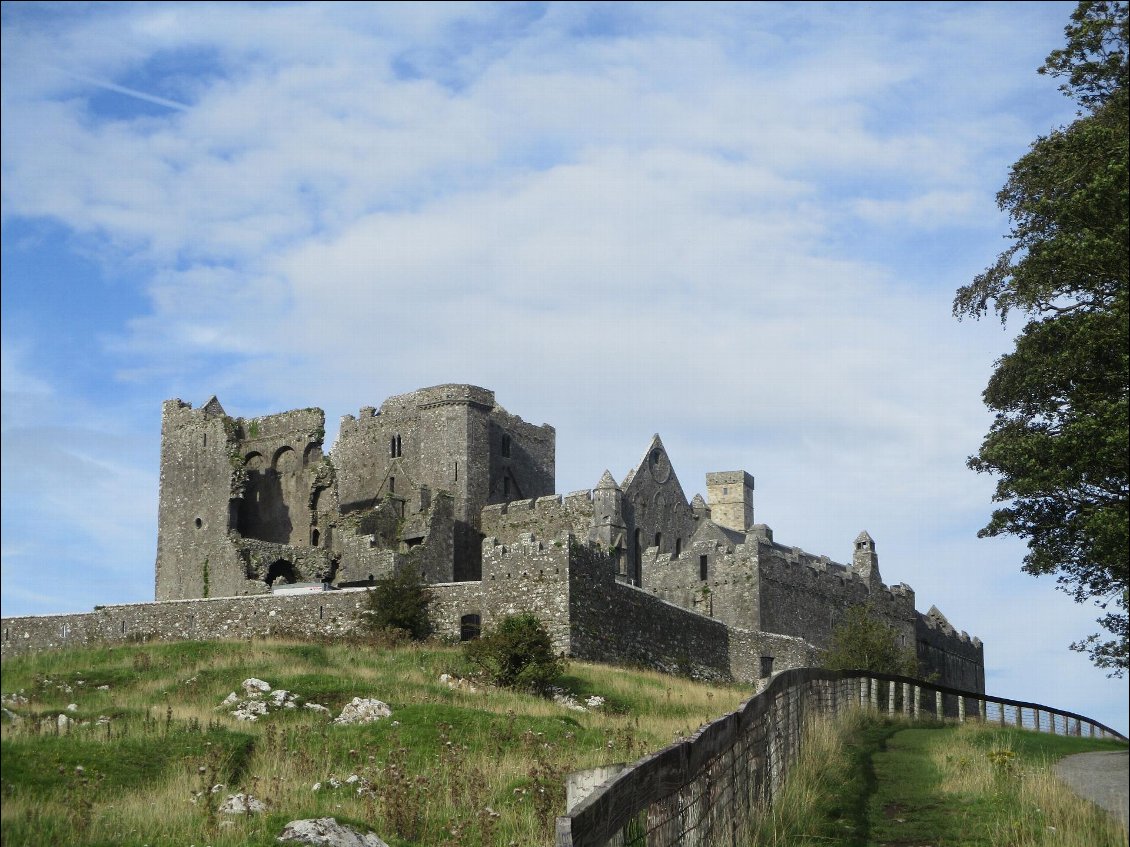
<point>917,702</point>
<point>1002,713</point>
<point>891,698</point>
<point>1037,720</point>
<point>961,709</point>
<point>939,711</point>
<point>863,692</point>
<point>983,709</point>
<point>874,683</point>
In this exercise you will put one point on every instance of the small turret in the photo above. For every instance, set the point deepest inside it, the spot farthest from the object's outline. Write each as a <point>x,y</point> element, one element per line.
<point>609,529</point>
<point>864,559</point>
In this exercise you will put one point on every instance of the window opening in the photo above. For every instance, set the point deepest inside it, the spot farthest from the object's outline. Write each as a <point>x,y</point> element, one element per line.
<point>470,626</point>
<point>392,485</point>
<point>678,547</point>
<point>658,540</point>
<point>702,568</point>
<point>399,450</point>
<point>506,446</point>
<point>766,666</point>
<point>314,536</point>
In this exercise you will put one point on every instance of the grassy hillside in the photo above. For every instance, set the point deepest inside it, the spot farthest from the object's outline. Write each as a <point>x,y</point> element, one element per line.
<point>149,756</point>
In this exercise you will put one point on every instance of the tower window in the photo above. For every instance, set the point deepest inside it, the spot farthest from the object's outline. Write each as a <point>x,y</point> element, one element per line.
<point>702,568</point>
<point>506,445</point>
<point>678,547</point>
<point>766,666</point>
<point>394,447</point>
<point>658,540</point>
<point>392,485</point>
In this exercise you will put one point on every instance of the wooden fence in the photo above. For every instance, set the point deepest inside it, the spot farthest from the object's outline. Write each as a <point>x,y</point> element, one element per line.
<point>705,791</point>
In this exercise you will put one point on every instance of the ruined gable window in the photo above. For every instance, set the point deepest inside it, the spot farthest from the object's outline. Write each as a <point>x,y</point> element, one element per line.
<point>766,666</point>
<point>314,536</point>
<point>506,446</point>
<point>392,485</point>
<point>205,439</point>
<point>702,567</point>
<point>399,450</point>
<point>395,447</point>
<point>457,472</point>
<point>659,541</point>
<point>678,547</point>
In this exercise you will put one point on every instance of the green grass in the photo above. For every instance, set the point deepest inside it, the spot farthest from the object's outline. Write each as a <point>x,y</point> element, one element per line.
<point>451,767</point>
<point>863,781</point>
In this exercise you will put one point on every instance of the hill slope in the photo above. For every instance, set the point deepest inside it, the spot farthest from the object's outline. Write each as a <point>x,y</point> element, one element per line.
<point>145,753</point>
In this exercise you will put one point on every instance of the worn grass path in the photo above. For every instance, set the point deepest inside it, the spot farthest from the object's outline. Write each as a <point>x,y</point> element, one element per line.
<point>863,781</point>
<point>939,787</point>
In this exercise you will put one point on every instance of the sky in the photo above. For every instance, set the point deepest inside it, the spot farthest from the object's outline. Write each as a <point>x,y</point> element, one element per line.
<point>738,225</point>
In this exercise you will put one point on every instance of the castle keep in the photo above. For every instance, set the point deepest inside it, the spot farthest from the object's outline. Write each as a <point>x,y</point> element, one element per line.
<point>447,482</point>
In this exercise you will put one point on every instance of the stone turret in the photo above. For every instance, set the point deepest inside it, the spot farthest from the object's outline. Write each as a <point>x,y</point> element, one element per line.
<point>609,528</point>
<point>864,559</point>
<point>730,494</point>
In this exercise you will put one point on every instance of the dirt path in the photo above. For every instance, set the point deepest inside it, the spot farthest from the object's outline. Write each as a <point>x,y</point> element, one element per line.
<point>1102,778</point>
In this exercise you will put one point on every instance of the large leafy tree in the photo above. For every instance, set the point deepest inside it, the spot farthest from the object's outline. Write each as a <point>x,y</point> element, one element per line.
<point>1058,443</point>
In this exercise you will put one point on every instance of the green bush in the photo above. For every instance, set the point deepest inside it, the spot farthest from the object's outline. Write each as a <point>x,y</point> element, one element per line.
<point>864,641</point>
<point>518,653</point>
<point>399,603</point>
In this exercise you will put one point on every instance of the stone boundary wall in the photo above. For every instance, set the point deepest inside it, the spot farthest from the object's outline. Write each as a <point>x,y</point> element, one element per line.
<point>544,517</point>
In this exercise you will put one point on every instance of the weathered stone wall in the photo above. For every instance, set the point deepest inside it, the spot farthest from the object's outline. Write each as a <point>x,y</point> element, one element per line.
<point>283,473</point>
<point>201,473</point>
<point>730,592</point>
<point>545,517</point>
<point>528,575</point>
<point>957,659</point>
<point>806,596</point>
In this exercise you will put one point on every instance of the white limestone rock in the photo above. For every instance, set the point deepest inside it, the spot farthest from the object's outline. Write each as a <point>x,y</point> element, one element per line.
<point>327,832</point>
<point>363,710</point>
<point>242,804</point>
<point>255,687</point>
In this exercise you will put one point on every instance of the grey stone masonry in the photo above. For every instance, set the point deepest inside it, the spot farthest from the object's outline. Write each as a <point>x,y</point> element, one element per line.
<point>447,483</point>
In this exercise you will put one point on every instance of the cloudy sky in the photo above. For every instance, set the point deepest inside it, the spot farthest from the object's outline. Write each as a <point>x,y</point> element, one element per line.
<point>740,226</point>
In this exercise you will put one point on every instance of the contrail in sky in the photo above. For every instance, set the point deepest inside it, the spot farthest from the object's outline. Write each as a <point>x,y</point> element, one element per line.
<point>121,89</point>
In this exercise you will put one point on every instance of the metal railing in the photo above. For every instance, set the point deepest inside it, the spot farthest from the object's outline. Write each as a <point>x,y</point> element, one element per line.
<point>707,790</point>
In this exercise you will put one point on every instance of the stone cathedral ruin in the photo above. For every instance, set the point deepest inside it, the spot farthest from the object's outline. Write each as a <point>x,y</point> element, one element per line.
<point>446,481</point>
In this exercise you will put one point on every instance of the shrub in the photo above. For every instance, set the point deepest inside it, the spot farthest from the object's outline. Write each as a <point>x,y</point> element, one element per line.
<point>863,641</point>
<point>518,653</point>
<point>399,602</point>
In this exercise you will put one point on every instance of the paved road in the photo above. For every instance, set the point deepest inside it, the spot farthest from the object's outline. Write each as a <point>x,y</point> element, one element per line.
<point>1103,778</point>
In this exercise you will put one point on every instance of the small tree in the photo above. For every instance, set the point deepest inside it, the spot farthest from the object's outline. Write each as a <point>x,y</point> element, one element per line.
<point>518,653</point>
<point>862,641</point>
<point>400,602</point>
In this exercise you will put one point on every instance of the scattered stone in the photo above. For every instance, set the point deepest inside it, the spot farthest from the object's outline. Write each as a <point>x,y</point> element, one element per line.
<point>458,683</point>
<point>103,688</point>
<point>250,710</point>
<point>12,716</point>
<point>595,701</point>
<point>254,687</point>
<point>363,710</point>
<point>229,700</point>
<point>72,707</point>
<point>242,804</point>
<point>327,832</point>
<point>316,707</point>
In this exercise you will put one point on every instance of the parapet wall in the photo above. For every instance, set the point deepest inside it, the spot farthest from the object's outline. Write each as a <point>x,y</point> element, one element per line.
<point>544,517</point>
<point>957,659</point>
<point>805,596</point>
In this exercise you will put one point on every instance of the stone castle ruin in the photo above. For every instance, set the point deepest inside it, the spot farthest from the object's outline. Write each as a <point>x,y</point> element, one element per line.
<point>447,482</point>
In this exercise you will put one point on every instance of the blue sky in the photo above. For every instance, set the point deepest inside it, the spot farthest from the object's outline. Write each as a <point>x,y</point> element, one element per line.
<point>741,226</point>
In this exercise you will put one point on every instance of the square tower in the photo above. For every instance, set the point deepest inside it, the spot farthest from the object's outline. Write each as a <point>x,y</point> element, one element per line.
<point>730,495</point>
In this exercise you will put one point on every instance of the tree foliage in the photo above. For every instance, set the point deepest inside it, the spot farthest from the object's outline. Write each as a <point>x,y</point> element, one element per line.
<point>1058,442</point>
<point>518,653</point>
<point>862,641</point>
<point>400,603</point>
